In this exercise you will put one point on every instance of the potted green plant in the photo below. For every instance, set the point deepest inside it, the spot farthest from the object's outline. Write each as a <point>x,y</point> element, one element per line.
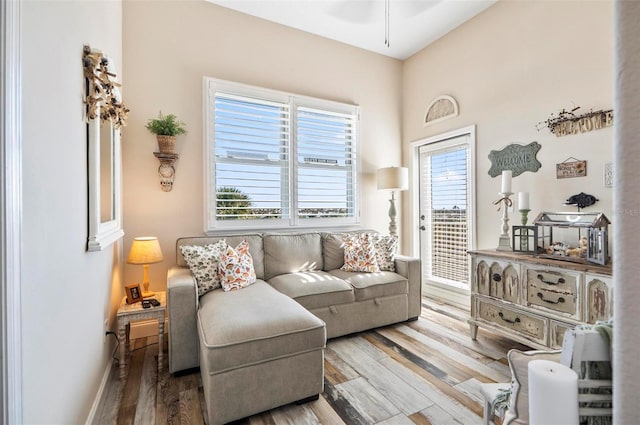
<point>166,128</point>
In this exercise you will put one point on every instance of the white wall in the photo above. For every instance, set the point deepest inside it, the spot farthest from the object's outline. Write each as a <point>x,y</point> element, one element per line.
<point>626,376</point>
<point>170,46</point>
<point>509,68</point>
<point>66,291</point>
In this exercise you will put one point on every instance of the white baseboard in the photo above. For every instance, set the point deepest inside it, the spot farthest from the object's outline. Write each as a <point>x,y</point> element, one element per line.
<point>96,402</point>
<point>146,328</point>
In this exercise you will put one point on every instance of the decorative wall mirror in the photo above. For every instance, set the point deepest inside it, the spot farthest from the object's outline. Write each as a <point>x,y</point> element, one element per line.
<point>105,114</point>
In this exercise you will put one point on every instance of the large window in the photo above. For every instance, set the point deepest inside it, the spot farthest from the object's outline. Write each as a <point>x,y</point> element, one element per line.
<point>278,160</point>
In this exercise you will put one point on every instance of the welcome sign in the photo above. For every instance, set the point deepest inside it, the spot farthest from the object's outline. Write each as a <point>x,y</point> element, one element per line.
<point>517,158</point>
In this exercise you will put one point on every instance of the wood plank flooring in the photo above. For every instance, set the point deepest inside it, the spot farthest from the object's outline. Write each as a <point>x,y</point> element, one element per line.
<point>422,372</point>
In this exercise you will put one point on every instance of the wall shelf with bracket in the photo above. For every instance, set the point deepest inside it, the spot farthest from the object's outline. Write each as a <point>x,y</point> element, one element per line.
<point>167,169</point>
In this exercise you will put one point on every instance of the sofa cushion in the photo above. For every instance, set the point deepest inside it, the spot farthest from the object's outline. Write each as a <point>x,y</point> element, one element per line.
<point>386,247</point>
<point>314,289</point>
<point>203,263</point>
<point>374,285</point>
<point>360,254</point>
<point>254,325</point>
<point>255,248</point>
<point>333,250</point>
<point>291,253</point>
<point>235,268</point>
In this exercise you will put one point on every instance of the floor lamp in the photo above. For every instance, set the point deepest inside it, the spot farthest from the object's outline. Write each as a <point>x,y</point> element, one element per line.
<point>393,178</point>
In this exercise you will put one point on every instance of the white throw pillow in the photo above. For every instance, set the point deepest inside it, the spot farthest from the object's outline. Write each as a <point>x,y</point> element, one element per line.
<point>236,267</point>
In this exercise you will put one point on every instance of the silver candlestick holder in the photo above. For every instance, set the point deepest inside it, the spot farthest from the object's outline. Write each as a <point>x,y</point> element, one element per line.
<point>504,243</point>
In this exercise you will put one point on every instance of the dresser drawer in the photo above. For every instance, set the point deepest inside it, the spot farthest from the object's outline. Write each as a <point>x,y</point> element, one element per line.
<point>559,301</point>
<point>553,290</point>
<point>598,298</point>
<point>497,279</point>
<point>526,324</point>
<point>556,336</point>
<point>552,280</point>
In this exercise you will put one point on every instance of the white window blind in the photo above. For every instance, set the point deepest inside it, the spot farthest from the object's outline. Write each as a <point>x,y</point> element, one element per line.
<point>251,158</point>
<point>278,160</point>
<point>325,165</point>
<point>445,188</point>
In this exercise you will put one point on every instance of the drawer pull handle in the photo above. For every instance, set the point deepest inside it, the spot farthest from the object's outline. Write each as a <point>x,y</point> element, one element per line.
<point>548,282</point>
<point>516,320</point>
<point>560,300</point>
<point>496,277</point>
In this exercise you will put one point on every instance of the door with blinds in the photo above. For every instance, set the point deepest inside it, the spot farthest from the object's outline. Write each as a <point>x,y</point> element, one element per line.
<point>446,217</point>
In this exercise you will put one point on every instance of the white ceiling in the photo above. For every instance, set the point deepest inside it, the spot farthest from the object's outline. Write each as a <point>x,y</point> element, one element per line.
<point>413,24</point>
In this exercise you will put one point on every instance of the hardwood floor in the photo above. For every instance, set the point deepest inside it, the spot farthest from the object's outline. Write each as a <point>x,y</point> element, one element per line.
<point>422,372</point>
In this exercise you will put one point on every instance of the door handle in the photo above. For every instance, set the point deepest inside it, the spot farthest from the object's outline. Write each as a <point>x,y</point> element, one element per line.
<point>422,228</point>
<point>422,217</point>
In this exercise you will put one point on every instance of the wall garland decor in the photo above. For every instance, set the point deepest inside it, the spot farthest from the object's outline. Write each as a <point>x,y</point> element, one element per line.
<point>567,122</point>
<point>103,97</point>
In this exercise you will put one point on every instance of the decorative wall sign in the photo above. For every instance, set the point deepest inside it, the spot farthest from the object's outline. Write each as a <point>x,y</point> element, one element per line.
<point>517,158</point>
<point>441,108</point>
<point>567,122</point>
<point>568,169</point>
<point>607,174</point>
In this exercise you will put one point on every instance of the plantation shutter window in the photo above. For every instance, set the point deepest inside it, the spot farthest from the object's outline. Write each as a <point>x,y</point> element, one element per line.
<point>251,157</point>
<point>278,160</point>
<point>325,166</point>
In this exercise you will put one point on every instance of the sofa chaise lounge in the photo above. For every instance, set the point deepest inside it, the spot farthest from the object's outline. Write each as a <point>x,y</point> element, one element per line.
<point>262,346</point>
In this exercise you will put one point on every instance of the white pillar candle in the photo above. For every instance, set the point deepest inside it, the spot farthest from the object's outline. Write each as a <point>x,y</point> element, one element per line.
<point>523,200</point>
<point>553,394</point>
<point>506,181</point>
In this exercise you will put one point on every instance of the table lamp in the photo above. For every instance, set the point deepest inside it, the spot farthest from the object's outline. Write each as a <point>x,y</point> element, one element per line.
<point>393,178</point>
<point>145,251</point>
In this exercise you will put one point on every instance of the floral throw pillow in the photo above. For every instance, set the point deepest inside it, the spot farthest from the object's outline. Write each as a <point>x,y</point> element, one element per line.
<point>386,247</point>
<point>360,255</point>
<point>203,263</point>
<point>236,267</point>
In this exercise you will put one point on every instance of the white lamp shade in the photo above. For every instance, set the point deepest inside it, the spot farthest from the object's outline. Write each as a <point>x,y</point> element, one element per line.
<point>145,250</point>
<point>393,178</point>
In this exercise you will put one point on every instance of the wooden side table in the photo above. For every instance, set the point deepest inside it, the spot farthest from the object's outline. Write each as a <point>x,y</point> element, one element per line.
<point>128,313</point>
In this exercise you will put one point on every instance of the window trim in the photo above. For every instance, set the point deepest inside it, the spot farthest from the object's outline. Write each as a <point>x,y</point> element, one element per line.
<point>212,225</point>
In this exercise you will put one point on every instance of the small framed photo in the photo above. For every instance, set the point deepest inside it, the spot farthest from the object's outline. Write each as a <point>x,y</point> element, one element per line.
<point>134,293</point>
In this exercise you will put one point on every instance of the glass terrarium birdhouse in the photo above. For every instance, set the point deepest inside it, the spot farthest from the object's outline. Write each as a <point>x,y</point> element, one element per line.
<point>573,236</point>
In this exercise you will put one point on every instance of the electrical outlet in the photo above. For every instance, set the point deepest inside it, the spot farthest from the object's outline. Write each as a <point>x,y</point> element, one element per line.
<point>106,329</point>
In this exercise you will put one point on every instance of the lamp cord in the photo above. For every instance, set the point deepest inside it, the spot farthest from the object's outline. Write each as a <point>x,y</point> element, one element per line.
<point>115,350</point>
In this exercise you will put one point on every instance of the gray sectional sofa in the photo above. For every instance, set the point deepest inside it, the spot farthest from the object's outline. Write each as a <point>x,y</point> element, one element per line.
<point>263,346</point>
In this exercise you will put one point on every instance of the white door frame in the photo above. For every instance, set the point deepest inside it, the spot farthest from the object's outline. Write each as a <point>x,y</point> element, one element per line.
<point>458,298</point>
<point>10,212</point>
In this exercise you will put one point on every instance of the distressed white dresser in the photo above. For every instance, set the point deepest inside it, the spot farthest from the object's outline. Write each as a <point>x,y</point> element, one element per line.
<point>535,300</point>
